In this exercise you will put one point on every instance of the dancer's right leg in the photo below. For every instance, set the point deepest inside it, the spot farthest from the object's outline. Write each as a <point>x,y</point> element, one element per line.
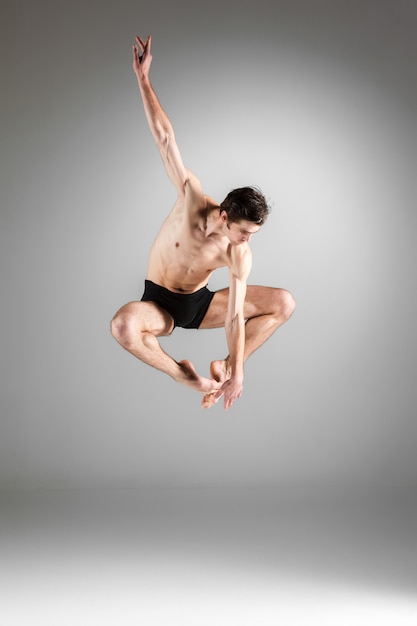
<point>136,327</point>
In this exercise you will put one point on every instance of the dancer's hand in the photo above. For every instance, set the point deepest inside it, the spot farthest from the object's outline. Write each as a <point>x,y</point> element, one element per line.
<point>142,62</point>
<point>232,389</point>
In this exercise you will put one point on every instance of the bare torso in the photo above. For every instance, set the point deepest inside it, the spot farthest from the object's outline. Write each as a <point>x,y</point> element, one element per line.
<point>186,250</point>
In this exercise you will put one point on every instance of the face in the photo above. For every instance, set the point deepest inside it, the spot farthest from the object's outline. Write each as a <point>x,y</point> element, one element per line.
<point>239,232</point>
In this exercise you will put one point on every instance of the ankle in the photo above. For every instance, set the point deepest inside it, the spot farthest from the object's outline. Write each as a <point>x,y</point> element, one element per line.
<point>186,372</point>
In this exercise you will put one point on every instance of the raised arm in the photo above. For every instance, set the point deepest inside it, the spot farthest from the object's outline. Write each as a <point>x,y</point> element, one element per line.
<point>159,123</point>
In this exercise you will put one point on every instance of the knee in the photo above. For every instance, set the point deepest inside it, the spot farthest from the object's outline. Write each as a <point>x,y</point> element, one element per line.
<point>123,327</point>
<point>284,303</point>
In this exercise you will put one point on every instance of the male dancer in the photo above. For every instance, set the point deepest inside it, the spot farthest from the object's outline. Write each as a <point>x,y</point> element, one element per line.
<point>197,237</point>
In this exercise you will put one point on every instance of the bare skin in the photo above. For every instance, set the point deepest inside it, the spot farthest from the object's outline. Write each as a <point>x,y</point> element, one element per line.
<point>195,239</point>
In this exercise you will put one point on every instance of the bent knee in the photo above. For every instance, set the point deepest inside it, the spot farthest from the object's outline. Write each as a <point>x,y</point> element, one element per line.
<point>124,327</point>
<point>135,319</point>
<point>284,303</point>
<point>118,327</point>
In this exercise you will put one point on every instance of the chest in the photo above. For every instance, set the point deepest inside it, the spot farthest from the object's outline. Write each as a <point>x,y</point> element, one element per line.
<point>184,244</point>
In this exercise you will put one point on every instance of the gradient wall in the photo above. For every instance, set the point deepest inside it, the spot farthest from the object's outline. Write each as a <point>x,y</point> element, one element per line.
<point>315,102</point>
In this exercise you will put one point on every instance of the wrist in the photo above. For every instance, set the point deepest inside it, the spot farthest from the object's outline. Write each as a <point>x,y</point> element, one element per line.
<point>237,375</point>
<point>144,82</point>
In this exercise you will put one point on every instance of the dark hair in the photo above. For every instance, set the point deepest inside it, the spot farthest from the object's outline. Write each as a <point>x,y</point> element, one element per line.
<point>245,203</point>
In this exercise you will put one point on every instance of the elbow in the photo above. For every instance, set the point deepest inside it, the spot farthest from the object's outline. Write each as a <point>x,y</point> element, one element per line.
<point>161,138</point>
<point>166,135</point>
<point>162,134</point>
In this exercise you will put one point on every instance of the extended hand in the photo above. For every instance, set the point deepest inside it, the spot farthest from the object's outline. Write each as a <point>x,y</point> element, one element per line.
<point>142,63</point>
<point>232,390</point>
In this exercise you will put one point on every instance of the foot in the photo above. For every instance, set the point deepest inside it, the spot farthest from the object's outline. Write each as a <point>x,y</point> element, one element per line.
<point>190,378</point>
<point>220,372</point>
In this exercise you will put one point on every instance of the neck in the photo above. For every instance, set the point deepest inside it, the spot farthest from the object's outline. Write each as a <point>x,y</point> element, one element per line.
<point>214,223</point>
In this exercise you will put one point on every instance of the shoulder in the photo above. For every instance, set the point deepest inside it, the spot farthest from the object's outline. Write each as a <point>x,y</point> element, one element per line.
<point>192,184</point>
<point>193,194</point>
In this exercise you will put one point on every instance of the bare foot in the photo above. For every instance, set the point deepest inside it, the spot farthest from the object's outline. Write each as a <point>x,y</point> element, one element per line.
<point>219,371</point>
<point>194,380</point>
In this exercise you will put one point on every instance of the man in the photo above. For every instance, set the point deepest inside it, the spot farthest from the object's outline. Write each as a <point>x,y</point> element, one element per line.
<point>197,237</point>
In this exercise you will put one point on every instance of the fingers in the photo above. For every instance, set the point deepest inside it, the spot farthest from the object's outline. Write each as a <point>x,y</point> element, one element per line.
<point>231,394</point>
<point>211,399</point>
<point>219,393</point>
<point>208,401</point>
<point>228,402</point>
<point>222,390</point>
<point>145,45</point>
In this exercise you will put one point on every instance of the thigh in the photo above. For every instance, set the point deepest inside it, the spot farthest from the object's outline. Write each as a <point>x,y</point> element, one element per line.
<point>147,316</point>
<point>258,301</point>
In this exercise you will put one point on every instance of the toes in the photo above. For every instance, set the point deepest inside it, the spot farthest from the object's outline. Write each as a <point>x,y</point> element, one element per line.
<point>210,399</point>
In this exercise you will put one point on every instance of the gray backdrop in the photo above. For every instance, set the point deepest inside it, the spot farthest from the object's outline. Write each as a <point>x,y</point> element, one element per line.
<point>315,102</point>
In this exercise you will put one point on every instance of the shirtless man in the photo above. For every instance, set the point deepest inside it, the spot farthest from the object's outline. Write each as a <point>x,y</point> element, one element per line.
<point>197,237</point>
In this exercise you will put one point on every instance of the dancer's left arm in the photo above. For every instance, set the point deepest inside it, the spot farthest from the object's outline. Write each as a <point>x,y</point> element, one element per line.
<point>235,324</point>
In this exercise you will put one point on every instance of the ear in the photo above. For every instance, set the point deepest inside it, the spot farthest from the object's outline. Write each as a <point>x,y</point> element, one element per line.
<point>223,215</point>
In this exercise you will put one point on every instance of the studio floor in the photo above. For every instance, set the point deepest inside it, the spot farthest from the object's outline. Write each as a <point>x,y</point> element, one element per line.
<point>208,557</point>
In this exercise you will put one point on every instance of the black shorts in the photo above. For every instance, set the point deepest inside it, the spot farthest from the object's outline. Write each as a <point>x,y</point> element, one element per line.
<point>186,309</point>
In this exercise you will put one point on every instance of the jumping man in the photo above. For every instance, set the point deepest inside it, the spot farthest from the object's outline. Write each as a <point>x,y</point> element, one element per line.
<point>196,238</point>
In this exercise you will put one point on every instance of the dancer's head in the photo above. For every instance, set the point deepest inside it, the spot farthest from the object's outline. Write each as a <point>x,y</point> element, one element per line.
<point>245,203</point>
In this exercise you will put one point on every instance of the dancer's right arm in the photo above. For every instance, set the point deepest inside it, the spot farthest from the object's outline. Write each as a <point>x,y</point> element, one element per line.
<point>159,123</point>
